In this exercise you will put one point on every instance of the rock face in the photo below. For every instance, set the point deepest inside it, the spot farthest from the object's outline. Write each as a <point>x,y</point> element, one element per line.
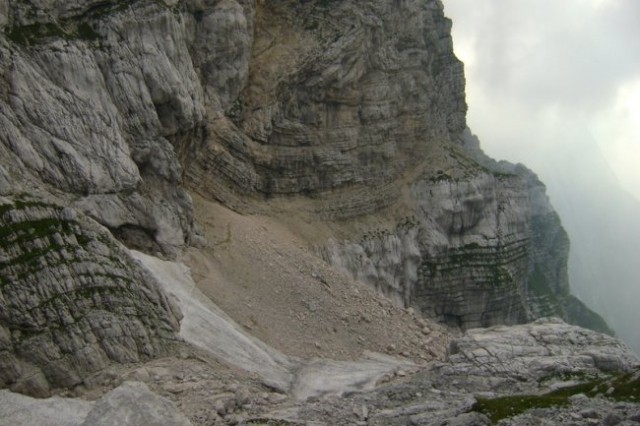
<point>72,300</point>
<point>352,112</point>
<point>336,97</point>
<point>91,96</point>
<point>359,110</point>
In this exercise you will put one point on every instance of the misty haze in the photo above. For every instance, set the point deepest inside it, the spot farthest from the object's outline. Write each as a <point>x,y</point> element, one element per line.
<point>560,93</point>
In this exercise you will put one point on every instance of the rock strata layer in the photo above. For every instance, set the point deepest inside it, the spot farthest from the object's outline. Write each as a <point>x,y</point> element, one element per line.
<point>72,300</point>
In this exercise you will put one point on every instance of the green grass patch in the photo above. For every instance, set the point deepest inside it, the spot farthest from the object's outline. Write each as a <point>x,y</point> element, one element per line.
<point>33,33</point>
<point>621,387</point>
<point>509,406</point>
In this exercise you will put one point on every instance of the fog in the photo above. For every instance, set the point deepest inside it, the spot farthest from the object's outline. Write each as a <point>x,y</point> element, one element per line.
<point>556,86</point>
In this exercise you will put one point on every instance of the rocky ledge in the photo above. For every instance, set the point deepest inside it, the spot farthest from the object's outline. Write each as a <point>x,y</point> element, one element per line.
<point>544,373</point>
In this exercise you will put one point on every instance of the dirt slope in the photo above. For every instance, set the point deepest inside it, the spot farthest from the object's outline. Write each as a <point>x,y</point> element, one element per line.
<point>269,280</point>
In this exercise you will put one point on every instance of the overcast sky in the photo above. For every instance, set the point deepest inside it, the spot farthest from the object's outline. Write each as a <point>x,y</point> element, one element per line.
<point>551,83</point>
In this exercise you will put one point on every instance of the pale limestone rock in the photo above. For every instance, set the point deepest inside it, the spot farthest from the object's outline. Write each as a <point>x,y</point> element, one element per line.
<point>95,96</point>
<point>530,360</point>
<point>336,97</point>
<point>223,46</point>
<point>547,349</point>
<point>132,403</point>
<point>462,256</point>
<point>58,104</point>
<point>356,109</point>
<point>17,409</point>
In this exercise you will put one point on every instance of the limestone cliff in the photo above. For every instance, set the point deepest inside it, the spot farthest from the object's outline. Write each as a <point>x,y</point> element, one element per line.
<point>346,115</point>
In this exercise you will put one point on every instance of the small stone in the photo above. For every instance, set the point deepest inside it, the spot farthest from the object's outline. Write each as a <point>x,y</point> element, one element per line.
<point>610,390</point>
<point>578,398</point>
<point>611,419</point>
<point>364,412</point>
<point>219,407</point>
<point>35,385</point>
<point>405,354</point>
<point>426,331</point>
<point>635,417</point>
<point>229,406</point>
<point>401,373</point>
<point>234,419</point>
<point>277,398</point>
<point>242,397</point>
<point>391,348</point>
<point>140,375</point>
<point>173,388</point>
<point>589,413</point>
<point>317,345</point>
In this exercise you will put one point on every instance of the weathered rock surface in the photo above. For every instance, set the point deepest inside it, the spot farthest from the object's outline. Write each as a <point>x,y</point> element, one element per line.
<point>132,403</point>
<point>356,109</point>
<point>72,300</point>
<point>359,110</point>
<point>92,96</point>
<point>531,354</point>
<point>503,361</point>
<point>20,409</point>
<point>337,96</point>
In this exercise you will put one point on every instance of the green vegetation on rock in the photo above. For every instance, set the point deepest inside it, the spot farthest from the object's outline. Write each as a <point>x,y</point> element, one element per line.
<point>621,387</point>
<point>31,34</point>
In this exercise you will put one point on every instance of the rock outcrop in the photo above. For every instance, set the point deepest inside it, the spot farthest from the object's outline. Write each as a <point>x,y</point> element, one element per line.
<point>359,111</point>
<point>346,115</point>
<point>512,359</point>
<point>132,403</point>
<point>549,371</point>
<point>72,300</point>
<point>92,96</point>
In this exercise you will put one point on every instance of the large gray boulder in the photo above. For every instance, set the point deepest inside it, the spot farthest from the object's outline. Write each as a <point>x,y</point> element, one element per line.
<point>133,404</point>
<point>540,354</point>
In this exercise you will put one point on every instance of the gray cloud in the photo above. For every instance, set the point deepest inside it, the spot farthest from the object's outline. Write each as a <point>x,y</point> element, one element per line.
<point>565,53</point>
